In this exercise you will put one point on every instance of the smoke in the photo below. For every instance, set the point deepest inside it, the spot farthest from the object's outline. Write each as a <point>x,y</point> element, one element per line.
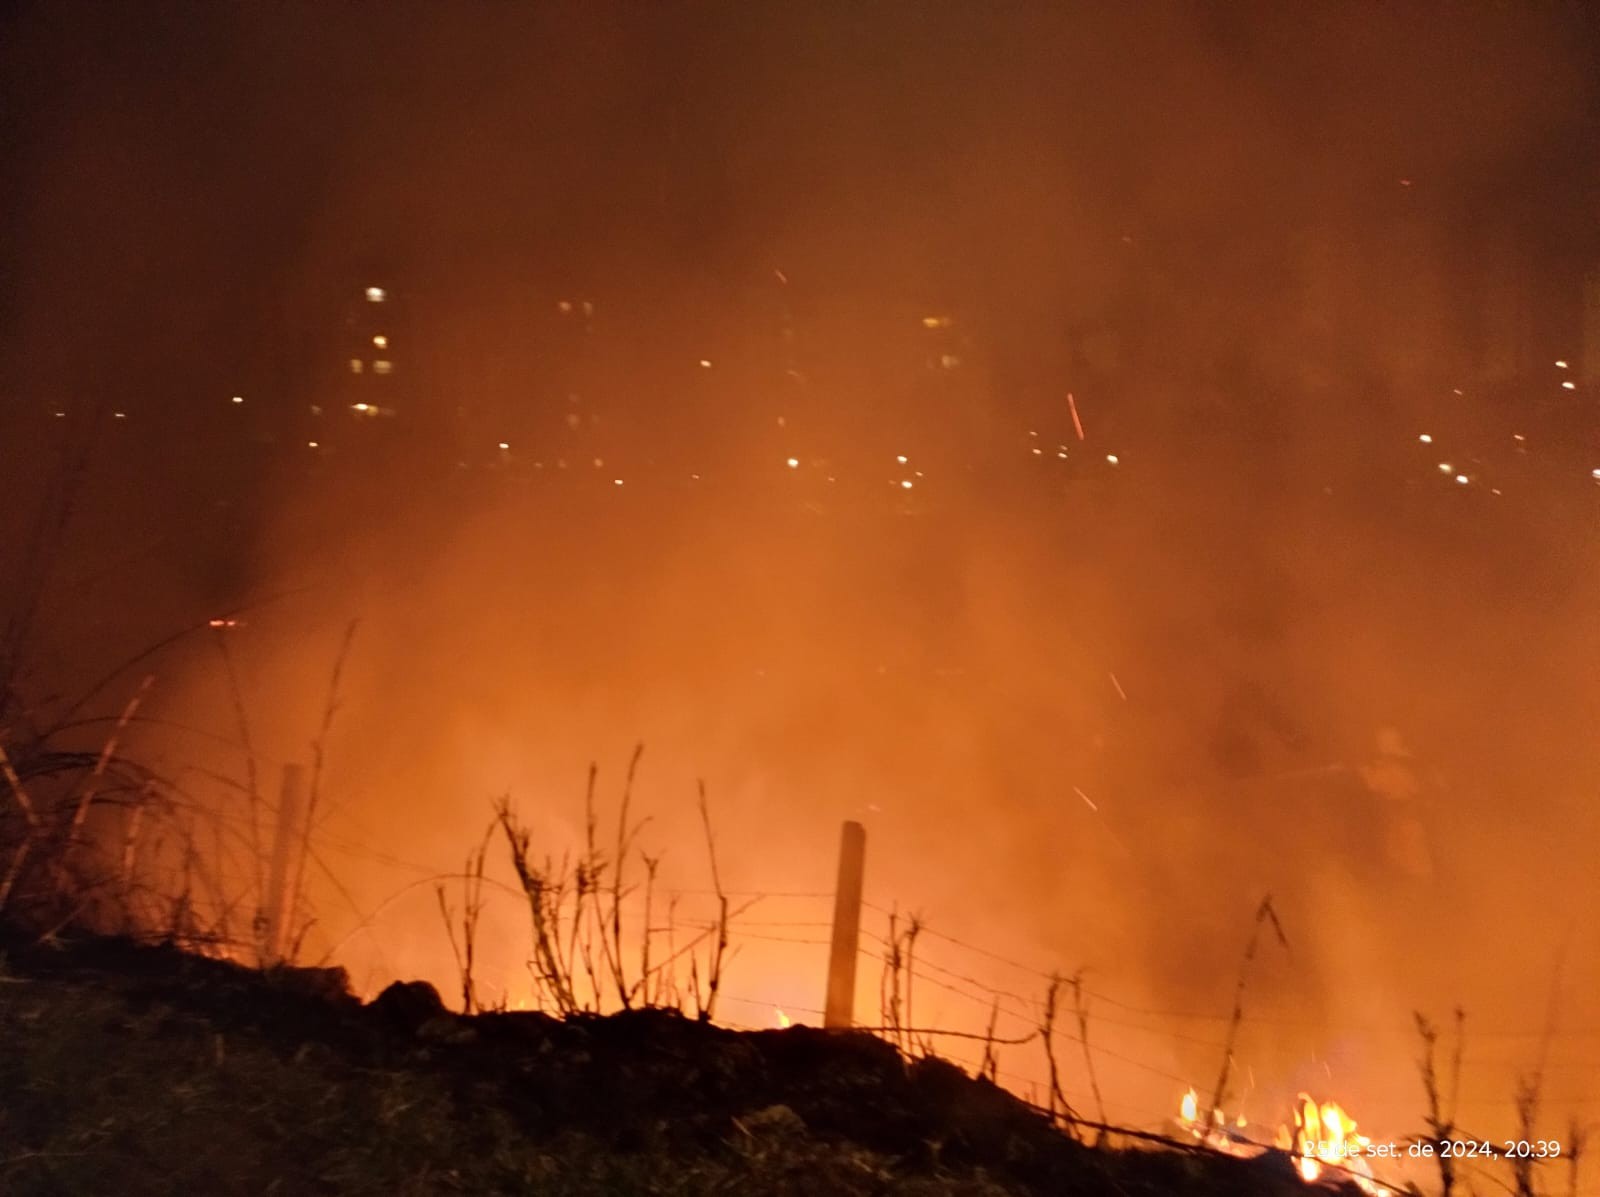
<point>1091,728</point>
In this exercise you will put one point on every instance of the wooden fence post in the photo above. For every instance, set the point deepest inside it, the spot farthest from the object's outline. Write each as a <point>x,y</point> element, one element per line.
<point>276,915</point>
<point>839,1010</point>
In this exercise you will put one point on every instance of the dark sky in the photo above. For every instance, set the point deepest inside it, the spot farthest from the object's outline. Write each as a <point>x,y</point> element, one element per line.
<point>177,168</point>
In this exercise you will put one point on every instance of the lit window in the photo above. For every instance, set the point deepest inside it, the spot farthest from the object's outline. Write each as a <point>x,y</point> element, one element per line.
<point>381,341</point>
<point>376,295</point>
<point>382,367</point>
<point>355,365</point>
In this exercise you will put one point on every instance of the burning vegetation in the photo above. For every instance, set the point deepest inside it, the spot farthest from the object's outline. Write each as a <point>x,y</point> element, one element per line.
<point>1133,470</point>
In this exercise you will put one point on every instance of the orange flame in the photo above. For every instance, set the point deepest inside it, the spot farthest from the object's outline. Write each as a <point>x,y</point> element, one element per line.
<point>1325,1135</point>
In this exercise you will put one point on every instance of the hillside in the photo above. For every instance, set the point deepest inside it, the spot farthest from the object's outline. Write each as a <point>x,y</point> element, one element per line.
<point>141,1069</point>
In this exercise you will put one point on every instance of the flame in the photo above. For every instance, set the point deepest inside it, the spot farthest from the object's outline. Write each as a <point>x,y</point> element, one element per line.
<point>1326,1135</point>
<point>1190,1107</point>
<point>783,1019</point>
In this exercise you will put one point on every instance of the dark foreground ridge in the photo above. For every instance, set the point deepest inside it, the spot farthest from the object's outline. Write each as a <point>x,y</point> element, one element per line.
<point>134,1069</point>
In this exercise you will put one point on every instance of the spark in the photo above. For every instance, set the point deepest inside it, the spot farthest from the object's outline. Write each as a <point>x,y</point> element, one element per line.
<point>901,458</point>
<point>1561,364</point>
<point>362,407</point>
<point>504,445</point>
<point>793,463</point>
<point>705,363</point>
<point>905,484</point>
<point>238,399</point>
<point>1425,439</point>
<point>1076,423</point>
<point>616,482</point>
<point>120,415</point>
<point>1120,692</point>
<point>1038,452</point>
<point>381,341</point>
<point>1113,458</point>
<point>1445,467</point>
<point>1569,385</point>
<point>781,277</point>
<point>1463,479</point>
<point>376,295</point>
<point>312,445</point>
<point>1086,799</point>
<point>1594,474</point>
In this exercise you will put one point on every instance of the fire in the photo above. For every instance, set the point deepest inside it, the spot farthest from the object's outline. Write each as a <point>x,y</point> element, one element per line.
<point>783,1019</point>
<point>1326,1135</point>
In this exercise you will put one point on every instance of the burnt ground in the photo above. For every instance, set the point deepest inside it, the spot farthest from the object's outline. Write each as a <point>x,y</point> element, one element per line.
<point>136,1069</point>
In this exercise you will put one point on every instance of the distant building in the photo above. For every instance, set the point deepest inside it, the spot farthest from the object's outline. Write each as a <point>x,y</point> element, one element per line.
<point>375,348</point>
